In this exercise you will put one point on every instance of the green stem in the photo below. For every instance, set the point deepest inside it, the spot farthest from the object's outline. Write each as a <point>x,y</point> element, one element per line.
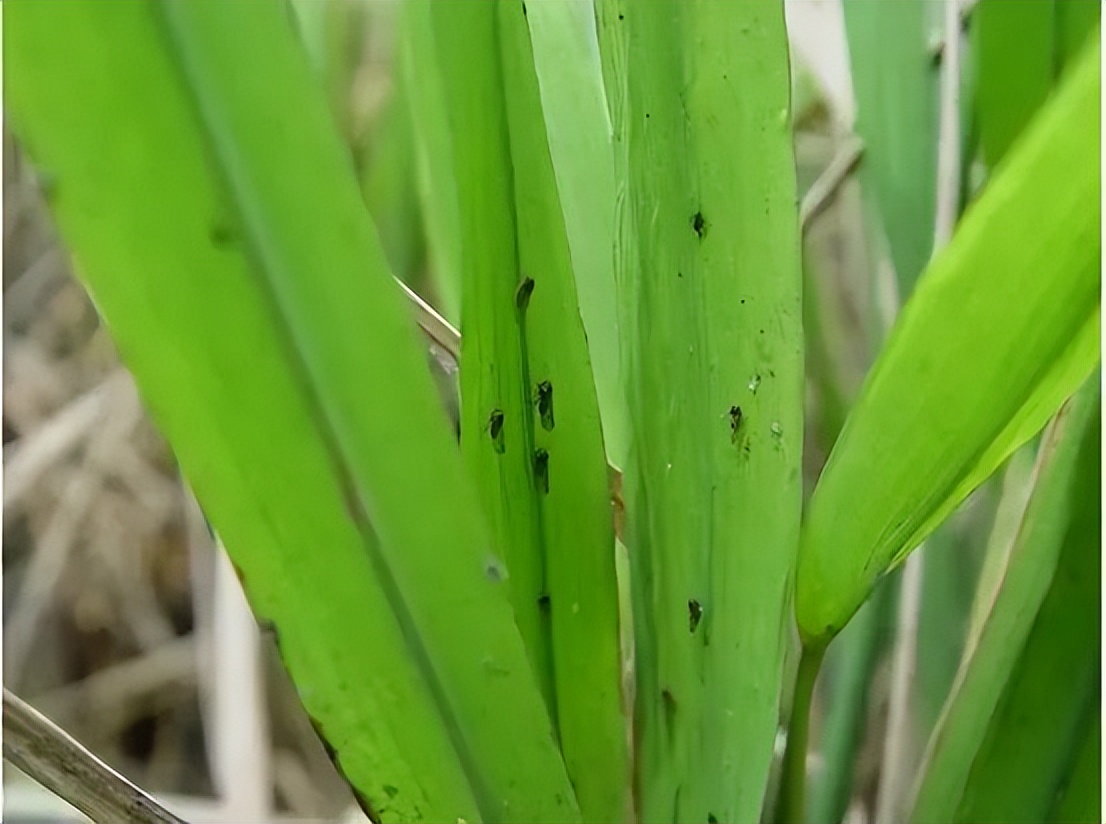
<point>794,760</point>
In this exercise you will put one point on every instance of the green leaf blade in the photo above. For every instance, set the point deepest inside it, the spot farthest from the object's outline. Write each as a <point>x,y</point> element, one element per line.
<point>895,83</point>
<point>240,288</point>
<point>709,283</point>
<point>990,332</point>
<point>1008,734</point>
<point>525,356</point>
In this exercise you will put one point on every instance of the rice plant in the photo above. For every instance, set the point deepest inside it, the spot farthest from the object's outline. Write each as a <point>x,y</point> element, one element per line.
<point>611,597</point>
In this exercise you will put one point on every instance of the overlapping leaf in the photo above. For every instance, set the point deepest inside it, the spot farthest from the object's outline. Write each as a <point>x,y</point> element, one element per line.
<point>1002,328</point>
<point>213,211</point>
<point>1023,701</point>
<point>708,275</point>
<point>531,431</point>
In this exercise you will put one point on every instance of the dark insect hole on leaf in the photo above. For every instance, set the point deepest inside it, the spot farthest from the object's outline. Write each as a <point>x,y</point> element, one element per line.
<point>544,401</point>
<point>621,17</point>
<point>495,430</point>
<point>735,422</point>
<point>541,469</point>
<point>699,224</point>
<point>544,603</point>
<point>694,614</point>
<point>523,292</point>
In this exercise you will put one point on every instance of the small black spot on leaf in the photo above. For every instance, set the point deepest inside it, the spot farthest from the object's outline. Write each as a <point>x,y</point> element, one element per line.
<point>222,234</point>
<point>669,702</point>
<point>269,630</point>
<point>493,570</point>
<point>699,224</point>
<point>711,819</point>
<point>544,400</point>
<point>541,469</point>
<point>48,185</point>
<point>694,614</point>
<point>544,603</point>
<point>495,431</point>
<point>621,17</point>
<point>365,805</point>
<point>523,292</point>
<point>331,753</point>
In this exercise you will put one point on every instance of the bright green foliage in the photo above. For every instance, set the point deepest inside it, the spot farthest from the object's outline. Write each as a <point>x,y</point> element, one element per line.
<point>1022,702</point>
<point>531,432</point>
<point>895,82</point>
<point>567,64</point>
<point>224,240</point>
<point>997,335</point>
<point>708,275</point>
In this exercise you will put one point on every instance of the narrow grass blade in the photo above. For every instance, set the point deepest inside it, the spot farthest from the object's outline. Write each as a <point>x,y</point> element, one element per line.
<point>995,338</point>
<point>848,670</point>
<point>330,32</point>
<point>708,273</point>
<point>531,430</point>
<point>430,132</point>
<point>1016,487</point>
<point>1009,735</point>
<point>895,83</point>
<point>576,515</point>
<point>953,558</point>
<point>214,214</point>
<point>567,62</point>
<point>386,162</point>
<point>1014,44</point>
